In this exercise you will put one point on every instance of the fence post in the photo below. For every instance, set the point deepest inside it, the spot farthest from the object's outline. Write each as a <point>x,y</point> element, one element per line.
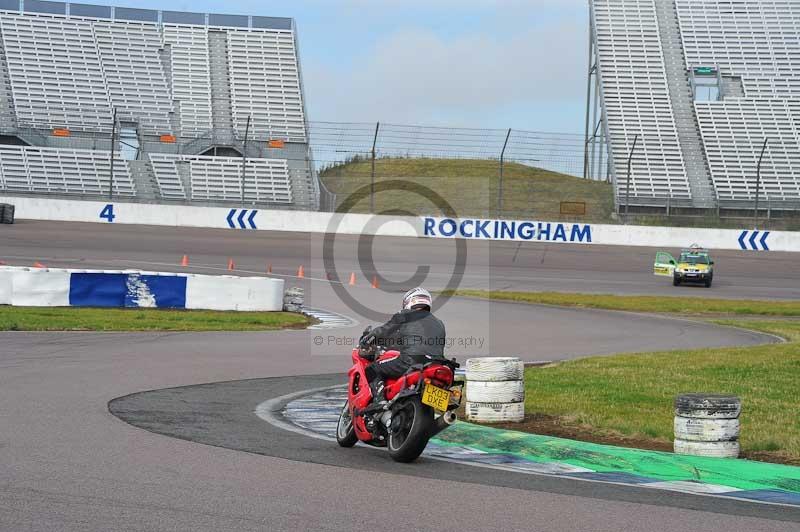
<point>372,172</point>
<point>758,182</point>
<point>500,181</point>
<point>628,184</point>
<point>588,103</point>
<point>244,155</point>
<point>111,158</point>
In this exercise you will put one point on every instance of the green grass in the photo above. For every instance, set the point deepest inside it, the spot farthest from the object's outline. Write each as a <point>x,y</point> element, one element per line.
<point>660,304</point>
<point>470,186</point>
<point>92,319</point>
<point>632,394</point>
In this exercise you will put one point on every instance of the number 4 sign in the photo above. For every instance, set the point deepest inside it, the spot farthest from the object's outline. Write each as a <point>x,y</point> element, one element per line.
<point>108,213</point>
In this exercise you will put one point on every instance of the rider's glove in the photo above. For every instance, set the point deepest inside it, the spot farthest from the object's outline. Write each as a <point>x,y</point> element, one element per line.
<point>365,340</point>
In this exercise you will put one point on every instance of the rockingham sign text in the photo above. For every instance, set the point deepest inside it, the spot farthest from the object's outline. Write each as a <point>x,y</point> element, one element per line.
<point>506,230</point>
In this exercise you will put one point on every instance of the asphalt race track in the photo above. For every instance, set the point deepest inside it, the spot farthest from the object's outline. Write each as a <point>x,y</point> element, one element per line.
<point>69,464</point>
<point>226,421</point>
<point>500,265</point>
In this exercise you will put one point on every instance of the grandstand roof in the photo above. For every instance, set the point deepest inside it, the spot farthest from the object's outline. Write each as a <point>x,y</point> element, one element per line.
<point>74,9</point>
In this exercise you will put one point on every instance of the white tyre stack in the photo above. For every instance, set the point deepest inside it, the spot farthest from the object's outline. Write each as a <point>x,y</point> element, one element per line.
<point>707,425</point>
<point>495,389</point>
<point>294,299</point>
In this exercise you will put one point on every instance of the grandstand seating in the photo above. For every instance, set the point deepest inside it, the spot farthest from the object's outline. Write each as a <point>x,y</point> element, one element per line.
<point>137,87</point>
<point>644,74</point>
<point>214,178</point>
<point>165,169</point>
<point>220,178</point>
<point>637,99</point>
<point>55,72</point>
<point>733,135</point>
<point>182,84</point>
<point>263,68</point>
<point>191,86</point>
<point>58,171</point>
<point>756,41</point>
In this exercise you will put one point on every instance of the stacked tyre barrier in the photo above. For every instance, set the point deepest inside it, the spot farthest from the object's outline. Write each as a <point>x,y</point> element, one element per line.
<point>707,425</point>
<point>495,389</point>
<point>294,299</point>
<point>6,213</point>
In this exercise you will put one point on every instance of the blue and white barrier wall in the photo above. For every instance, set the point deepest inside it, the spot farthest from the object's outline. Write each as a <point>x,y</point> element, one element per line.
<point>526,231</point>
<point>49,287</point>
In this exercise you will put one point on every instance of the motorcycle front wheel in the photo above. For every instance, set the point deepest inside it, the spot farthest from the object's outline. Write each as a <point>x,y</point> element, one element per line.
<point>411,428</point>
<point>345,432</point>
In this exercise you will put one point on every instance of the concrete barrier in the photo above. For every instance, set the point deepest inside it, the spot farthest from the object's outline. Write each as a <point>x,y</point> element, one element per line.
<point>39,287</point>
<point>6,290</point>
<point>233,293</point>
<point>405,226</point>
<point>49,287</point>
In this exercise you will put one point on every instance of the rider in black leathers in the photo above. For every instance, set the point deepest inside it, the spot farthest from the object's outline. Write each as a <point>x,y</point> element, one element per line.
<point>415,332</point>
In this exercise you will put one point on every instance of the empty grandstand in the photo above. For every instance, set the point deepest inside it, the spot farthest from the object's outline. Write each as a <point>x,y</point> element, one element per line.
<point>199,107</point>
<point>701,87</point>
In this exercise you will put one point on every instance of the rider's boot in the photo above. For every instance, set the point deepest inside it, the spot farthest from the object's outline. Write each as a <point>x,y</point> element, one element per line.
<point>377,387</point>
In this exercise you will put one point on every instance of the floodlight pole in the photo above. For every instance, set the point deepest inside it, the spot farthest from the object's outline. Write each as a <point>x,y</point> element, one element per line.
<point>244,154</point>
<point>758,182</point>
<point>500,181</point>
<point>372,172</point>
<point>111,157</point>
<point>628,184</point>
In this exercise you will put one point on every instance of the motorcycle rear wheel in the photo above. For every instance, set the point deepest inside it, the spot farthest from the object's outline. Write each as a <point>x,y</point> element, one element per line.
<point>411,428</point>
<point>345,432</point>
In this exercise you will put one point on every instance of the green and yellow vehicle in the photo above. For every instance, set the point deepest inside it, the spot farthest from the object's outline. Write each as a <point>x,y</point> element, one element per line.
<point>693,266</point>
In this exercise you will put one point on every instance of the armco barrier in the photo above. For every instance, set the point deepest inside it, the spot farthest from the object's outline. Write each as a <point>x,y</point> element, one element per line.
<point>48,287</point>
<point>431,227</point>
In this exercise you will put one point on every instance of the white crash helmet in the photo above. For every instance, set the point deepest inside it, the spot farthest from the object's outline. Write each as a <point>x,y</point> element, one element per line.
<point>416,296</point>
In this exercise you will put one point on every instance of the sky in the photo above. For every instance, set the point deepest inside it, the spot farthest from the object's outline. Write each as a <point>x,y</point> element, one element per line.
<point>459,63</point>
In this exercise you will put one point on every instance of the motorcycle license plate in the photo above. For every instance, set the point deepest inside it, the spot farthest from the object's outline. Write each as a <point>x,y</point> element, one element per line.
<point>436,397</point>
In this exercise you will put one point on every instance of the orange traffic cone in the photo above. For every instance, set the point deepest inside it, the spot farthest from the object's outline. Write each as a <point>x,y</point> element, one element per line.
<point>352,279</point>
<point>231,265</point>
<point>374,281</point>
<point>185,261</point>
<point>301,272</point>
<point>38,264</point>
<point>269,268</point>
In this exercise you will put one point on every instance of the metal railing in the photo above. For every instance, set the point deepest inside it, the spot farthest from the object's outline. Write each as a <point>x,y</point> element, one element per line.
<point>492,162</point>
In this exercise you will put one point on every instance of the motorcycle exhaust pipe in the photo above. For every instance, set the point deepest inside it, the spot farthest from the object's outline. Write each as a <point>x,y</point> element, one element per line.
<point>443,421</point>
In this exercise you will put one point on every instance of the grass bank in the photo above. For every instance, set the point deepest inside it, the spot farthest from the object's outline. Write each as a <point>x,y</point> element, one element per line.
<point>470,186</point>
<point>657,304</point>
<point>627,399</point>
<point>92,319</point>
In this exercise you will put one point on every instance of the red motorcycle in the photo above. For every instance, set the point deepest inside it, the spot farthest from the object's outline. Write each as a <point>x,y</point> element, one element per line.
<point>408,418</point>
